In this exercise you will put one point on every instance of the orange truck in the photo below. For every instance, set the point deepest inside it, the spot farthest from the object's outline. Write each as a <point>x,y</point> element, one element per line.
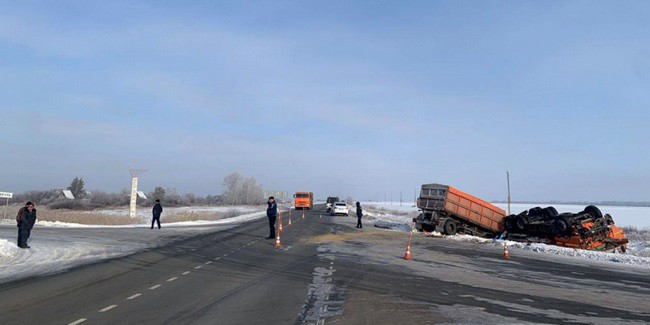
<point>304,200</point>
<point>450,211</point>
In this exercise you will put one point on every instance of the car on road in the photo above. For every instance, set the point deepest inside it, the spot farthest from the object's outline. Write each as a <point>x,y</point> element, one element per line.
<point>340,208</point>
<point>330,201</point>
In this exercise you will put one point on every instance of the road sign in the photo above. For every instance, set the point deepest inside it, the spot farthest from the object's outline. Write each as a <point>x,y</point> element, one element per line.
<point>6,195</point>
<point>68,194</point>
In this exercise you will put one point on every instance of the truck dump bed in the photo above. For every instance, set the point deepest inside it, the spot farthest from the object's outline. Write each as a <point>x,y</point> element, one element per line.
<point>446,199</point>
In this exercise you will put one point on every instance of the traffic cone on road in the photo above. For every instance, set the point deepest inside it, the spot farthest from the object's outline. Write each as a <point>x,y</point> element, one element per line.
<point>506,255</point>
<point>280,227</point>
<point>407,256</point>
<point>277,240</point>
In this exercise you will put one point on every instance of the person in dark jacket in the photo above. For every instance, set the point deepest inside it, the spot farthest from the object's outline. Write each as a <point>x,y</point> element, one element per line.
<point>157,211</point>
<point>271,213</point>
<point>359,215</point>
<point>26,219</point>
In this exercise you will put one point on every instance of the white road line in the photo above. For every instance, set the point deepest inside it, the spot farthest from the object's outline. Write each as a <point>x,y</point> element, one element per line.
<point>331,267</point>
<point>172,279</point>
<point>78,321</point>
<point>186,272</point>
<point>327,297</point>
<point>224,255</point>
<point>198,267</point>
<point>107,308</point>
<point>208,262</point>
<point>134,296</point>
<point>217,258</point>
<point>321,321</point>
<point>155,287</point>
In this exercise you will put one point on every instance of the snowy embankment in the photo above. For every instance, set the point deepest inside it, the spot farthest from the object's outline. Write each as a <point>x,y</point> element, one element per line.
<point>57,246</point>
<point>395,217</point>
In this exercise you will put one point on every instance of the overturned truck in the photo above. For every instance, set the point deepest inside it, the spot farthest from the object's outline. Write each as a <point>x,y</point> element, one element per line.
<point>450,211</point>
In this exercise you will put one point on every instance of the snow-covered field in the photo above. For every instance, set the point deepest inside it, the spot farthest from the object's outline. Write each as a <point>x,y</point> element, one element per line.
<point>57,246</point>
<point>396,217</point>
<point>623,216</point>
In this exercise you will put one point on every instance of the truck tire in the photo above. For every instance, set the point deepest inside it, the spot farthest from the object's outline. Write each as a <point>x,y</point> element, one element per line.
<point>562,226</point>
<point>551,212</point>
<point>522,223</point>
<point>451,227</point>
<point>509,223</point>
<point>593,211</point>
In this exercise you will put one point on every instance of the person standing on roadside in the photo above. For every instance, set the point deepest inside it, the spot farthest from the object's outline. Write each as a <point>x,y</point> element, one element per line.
<point>156,211</point>
<point>271,213</point>
<point>26,219</point>
<point>359,215</point>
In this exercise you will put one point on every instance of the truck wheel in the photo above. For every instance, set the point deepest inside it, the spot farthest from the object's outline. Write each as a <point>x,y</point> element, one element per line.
<point>521,223</point>
<point>562,226</point>
<point>450,228</point>
<point>551,212</point>
<point>594,212</point>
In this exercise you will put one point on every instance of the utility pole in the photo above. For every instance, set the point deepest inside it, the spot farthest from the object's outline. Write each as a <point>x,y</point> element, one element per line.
<point>508,178</point>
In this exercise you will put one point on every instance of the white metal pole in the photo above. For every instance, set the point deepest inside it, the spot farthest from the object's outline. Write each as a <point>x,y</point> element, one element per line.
<point>508,177</point>
<point>6,207</point>
<point>134,196</point>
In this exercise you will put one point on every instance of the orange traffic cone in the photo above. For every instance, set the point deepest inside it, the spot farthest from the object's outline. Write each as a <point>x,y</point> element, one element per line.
<point>506,255</point>
<point>407,256</point>
<point>277,240</point>
<point>280,227</point>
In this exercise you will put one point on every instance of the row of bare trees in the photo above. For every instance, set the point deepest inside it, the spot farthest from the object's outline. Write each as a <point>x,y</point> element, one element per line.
<point>239,190</point>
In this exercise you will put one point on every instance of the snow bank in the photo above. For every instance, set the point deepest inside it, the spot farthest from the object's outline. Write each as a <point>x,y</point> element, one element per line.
<point>630,258</point>
<point>57,246</point>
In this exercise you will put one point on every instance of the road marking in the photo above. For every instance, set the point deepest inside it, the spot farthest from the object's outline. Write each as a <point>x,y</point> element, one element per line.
<point>321,321</point>
<point>198,267</point>
<point>224,255</point>
<point>331,267</point>
<point>78,321</point>
<point>155,287</point>
<point>186,272</point>
<point>134,296</point>
<point>192,249</point>
<point>172,279</point>
<point>208,262</point>
<point>107,308</point>
<point>218,258</point>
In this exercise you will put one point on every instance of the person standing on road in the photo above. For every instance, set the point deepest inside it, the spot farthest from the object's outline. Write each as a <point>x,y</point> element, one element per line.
<point>359,215</point>
<point>156,211</point>
<point>26,219</point>
<point>272,213</point>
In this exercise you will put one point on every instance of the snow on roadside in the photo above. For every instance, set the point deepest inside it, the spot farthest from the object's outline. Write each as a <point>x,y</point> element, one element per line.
<point>59,224</point>
<point>57,246</point>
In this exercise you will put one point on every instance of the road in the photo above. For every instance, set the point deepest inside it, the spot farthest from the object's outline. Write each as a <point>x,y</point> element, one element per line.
<point>328,272</point>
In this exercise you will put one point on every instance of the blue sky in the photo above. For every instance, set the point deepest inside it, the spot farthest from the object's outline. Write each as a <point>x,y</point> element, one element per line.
<point>365,98</point>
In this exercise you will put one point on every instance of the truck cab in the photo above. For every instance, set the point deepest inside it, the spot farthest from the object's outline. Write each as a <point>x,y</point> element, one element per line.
<point>304,200</point>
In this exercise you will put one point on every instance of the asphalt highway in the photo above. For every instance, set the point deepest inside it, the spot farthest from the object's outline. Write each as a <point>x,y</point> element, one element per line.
<point>321,274</point>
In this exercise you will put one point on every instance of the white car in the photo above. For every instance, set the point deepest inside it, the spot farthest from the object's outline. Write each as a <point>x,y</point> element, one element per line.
<point>340,208</point>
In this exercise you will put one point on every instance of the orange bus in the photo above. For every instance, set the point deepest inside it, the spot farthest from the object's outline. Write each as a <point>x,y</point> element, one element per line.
<point>304,200</point>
